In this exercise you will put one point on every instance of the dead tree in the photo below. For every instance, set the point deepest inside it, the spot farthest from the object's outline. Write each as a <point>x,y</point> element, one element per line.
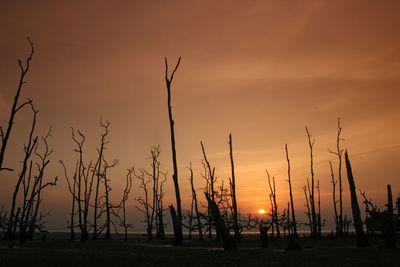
<point>125,196</point>
<point>390,233</point>
<point>99,174</point>
<point>155,175</point>
<point>72,185</point>
<point>28,149</point>
<point>194,202</point>
<point>233,193</point>
<point>308,212</point>
<point>38,187</point>
<point>339,153</point>
<point>222,200</point>
<point>209,176</point>
<point>336,218</point>
<point>291,195</point>
<point>362,240</point>
<point>274,206</point>
<point>178,234</point>
<point>319,212</point>
<point>220,225</point>
<point>83,176</point>
<point>312,194</point>
<point>160,208</point>
<point>4,136</point>
<point>108,207</point>
<point>145,202</point>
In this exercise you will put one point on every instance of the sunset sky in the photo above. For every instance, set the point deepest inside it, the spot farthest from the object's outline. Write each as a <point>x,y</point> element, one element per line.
<point>261,70</point>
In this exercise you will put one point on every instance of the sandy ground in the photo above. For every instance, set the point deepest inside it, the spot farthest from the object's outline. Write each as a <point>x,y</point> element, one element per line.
<point>58,251</point>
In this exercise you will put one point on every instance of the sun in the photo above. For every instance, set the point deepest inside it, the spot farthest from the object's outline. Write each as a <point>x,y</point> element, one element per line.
<point>261,211</point>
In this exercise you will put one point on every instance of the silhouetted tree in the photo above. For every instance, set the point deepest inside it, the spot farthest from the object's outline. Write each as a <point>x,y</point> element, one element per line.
<point>220,225</point>
<point>339,153</point>
<point>4,136</point>
<point>72,185</point>
<point>145,202</point>
<point>312,194</point>
<point>336,218</point>
<point>319,212</point>
<point>160,208</point>
<point>28,149</point>
<point>178,234</point>
<point>307,204</point>
<point>209,176</point>
<point>107,205</point>
<point>99,175</point>
<point>81,186</point>
<point>195,204</point>
<point>34,220</point>
<point>274,206</point>
<point>233,193</point>
<point>291,195</point>
<point>390,233</point>
<point>125,195</point>
<point>362,240</point>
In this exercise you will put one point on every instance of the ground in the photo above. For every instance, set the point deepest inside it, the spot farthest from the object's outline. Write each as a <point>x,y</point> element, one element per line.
<point>58,251</point>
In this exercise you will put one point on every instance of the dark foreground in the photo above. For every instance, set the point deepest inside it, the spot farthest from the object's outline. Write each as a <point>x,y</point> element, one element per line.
<point>57,251</point>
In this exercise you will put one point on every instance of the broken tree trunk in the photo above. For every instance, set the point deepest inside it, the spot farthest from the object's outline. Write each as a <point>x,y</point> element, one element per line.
<point>264,235</point>
<point>390,234</point>
<point>176,225</point>
<point>227,240</point>
<point>362,240</point>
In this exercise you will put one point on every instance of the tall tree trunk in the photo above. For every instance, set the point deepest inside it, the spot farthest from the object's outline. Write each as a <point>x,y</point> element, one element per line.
<point>178,229</point>
<point>312,195</point>
<point>233,189</point>
<point>362,240</point>
<point>291,195</point>
<point>334,198</point>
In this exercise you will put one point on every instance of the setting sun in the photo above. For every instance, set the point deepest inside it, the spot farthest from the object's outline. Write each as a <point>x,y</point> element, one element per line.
<point>261,211</point>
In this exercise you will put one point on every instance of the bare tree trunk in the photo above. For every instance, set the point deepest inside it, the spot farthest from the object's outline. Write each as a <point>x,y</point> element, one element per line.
<point>28,149</point>
<point>312,195</point>
<point>160,206</point>
<point>72,189</point>
<point>339,153</point>
<point>196,208</point>
<point>334,198</point>
<point>273,204</point>
<point>233,194</point>
<point>308,213</point>
<point>108,204</point>
<point>15,107</point>
<point>362,240</point>
<point>210,185</point>
<point>178,229</point>
<point>291,195</point>
<point>390,233</point>
<point>220,225</point>
<point>145,202</point>
<point>125,196</point>
<point>319,213</point>
<point>44,161</point>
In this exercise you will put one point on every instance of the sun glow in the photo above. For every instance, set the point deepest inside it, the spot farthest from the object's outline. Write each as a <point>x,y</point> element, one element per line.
<point>261,211</point>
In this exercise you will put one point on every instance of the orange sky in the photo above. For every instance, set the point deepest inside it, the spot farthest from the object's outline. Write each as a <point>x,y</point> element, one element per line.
<point>259,69</point>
